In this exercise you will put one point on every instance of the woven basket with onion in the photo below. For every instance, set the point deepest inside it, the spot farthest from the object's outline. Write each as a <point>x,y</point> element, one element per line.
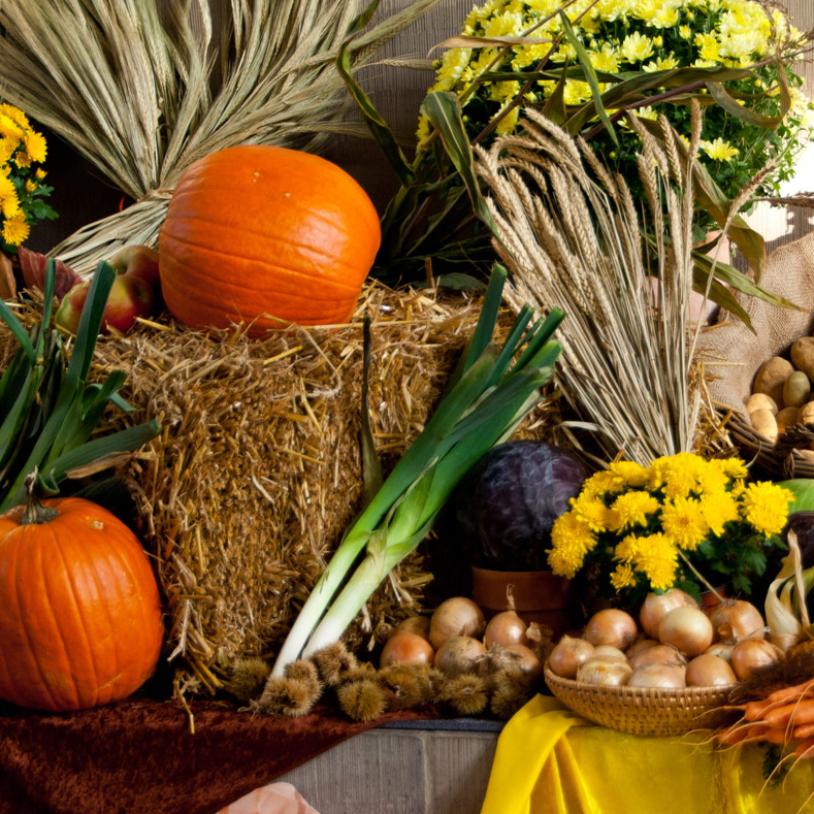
<point>643,711</point>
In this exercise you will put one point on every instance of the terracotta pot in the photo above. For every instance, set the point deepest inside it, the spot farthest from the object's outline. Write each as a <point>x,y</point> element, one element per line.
<point>539,596</point>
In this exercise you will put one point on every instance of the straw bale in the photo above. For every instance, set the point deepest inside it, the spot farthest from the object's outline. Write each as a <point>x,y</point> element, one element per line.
<point>257,471</point>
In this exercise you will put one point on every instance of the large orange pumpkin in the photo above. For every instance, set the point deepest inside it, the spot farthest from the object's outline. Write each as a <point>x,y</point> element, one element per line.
<point>80,621</point>
<point>266,235</point>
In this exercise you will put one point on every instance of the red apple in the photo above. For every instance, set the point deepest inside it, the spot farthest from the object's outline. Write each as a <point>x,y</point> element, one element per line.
<point>136,292</point>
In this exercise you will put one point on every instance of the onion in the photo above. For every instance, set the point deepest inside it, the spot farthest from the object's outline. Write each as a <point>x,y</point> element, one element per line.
<point>752,654</point>
<point>640,645</point>
<point>656,606</point>
<point>721,650</point>
<point>735,620</point>
<point>458,655</point>
<point>665,676</point>
<point>406,648</point>
<point>660,654</point>
<point>455,617</point>
<point>568,655</point>
<point>607,673</point>
<point>420,625</point>
<point>687,629</point>
<point>612,627</point>
<point>526,660</point>
<point>607,653</point>
<point>505,629</point>
<point>708,670</point>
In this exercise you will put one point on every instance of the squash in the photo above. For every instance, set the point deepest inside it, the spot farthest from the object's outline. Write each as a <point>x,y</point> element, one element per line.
<point>80,619</point>
<point>268,236</point>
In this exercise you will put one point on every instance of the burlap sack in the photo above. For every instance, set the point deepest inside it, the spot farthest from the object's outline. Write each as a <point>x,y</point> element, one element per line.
<point>731,353</point>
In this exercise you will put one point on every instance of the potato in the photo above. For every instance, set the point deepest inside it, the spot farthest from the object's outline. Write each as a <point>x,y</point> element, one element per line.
<point>771,376</point>
<point>765,425</point>
<point>802,354</point>
<point>786,418</point>
<point>760,401</point>
<point>807,455</point>
<point>796,390</point>
<point>807,413</point>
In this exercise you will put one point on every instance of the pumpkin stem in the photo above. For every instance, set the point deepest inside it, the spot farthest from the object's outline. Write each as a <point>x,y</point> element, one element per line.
<point>35,512</point>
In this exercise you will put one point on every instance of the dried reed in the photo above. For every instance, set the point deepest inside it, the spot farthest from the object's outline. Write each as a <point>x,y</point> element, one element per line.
<point>574,239</point>
<point>143,88</point>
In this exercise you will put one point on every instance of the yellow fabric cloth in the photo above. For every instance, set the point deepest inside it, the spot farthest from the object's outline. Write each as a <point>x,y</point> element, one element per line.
<point>551,761</point>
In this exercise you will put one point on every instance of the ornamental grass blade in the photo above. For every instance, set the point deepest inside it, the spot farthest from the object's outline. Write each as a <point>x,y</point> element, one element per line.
<point>749,115</point>
<point>90,321</point>
<point>443,109</point>
<point>20,333</point>
<point>590,77</point>
<point>108,446</point>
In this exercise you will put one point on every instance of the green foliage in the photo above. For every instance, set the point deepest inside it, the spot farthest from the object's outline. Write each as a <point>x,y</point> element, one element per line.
<point>49,411</point>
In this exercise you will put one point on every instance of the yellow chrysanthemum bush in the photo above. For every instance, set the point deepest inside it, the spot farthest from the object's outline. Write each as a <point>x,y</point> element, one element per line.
<point>755,114</point>
<point>682,521</point>
<point>592,66</point>
<point>22,189</point>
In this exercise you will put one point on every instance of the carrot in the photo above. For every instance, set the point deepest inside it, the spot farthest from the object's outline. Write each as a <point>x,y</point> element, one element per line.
<point>755,709</point>
<point>805,750</point>
<point>804,732</point>
<point>797,712</point>
<point>740,732</point>
<point>787,694</point>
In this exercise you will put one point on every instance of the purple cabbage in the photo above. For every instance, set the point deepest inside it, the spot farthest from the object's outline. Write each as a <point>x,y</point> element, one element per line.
<point>505,508</point>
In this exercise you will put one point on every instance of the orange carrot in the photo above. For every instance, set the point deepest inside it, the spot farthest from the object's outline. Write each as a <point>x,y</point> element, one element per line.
<point>804,732</point>
<point>797,712</point>
<point>787,694</point>
<point>740,732</point>
<point>805,750</point>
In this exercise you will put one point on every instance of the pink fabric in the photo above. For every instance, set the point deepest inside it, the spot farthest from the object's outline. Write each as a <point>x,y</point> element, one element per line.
<point>277,798</point>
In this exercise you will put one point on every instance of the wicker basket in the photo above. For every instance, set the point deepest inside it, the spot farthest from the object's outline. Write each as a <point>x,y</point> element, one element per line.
<point>782,460</point>
<point>641,711</point>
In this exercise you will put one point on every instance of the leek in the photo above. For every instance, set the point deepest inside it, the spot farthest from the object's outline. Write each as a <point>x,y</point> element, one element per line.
<point>491,391</point>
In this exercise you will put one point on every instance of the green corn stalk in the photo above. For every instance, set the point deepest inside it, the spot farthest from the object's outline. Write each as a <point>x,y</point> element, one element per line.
<point>48,409</point>
<point>491,391</point>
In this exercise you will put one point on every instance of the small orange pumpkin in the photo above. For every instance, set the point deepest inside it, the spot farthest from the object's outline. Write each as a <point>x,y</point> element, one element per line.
<point>268,236</point>
<point>80,619</point>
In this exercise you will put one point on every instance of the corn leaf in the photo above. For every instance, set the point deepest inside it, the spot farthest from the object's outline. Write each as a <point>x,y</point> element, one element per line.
<point>371,463</point>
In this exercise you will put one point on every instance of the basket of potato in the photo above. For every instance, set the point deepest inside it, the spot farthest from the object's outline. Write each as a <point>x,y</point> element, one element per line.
<point>781,407</point>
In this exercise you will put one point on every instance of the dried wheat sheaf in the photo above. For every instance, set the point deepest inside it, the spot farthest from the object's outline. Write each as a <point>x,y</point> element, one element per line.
<point>574,237</point>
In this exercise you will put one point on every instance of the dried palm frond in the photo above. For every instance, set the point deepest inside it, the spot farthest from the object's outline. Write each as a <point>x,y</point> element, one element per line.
<point>574,239</point>
<point>143,88</point>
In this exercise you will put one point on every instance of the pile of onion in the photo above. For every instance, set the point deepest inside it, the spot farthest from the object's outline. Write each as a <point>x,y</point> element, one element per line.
<point>681,646</point>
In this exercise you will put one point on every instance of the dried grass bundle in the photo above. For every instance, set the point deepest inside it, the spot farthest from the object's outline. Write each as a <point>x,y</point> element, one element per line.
<point>574,239</point>
<point>143,88</point>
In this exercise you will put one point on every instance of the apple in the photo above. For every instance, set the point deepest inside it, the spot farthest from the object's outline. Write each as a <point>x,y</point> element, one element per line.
<point>136,292</point>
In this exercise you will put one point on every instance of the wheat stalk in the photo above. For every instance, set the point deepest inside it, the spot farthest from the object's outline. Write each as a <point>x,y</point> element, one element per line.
<point>143,88</point>
<point>579,244</point>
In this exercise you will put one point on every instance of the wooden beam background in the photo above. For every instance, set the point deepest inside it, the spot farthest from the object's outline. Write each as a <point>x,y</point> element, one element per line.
<point>81,196</point>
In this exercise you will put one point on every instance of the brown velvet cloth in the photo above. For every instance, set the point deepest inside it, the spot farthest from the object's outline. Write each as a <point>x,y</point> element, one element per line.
<point>140,756</point>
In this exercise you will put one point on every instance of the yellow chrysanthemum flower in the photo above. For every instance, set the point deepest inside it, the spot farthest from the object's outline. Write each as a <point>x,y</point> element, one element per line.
<point>623,577</point>
<point>571,540</point>
<point>632,509</point>
<point>16,115</point>
<point>636,47</point>
<point>30,186</point>
<point>508,122</point>
<point>629,473</point>
<point>606,59</point>
<point>10,206</point>
<point>719,509</point>
<point>601,484</point>
<point>10,129</point>
<point>40,174</point>
<point>708,46</point>
<point>7,187</point>
<point>7,148</point>
<point>35,146</point>
<point>627,549</point>
<point>720,150</point>
<point>591,511</point>
<point>766,506</point>
<point>684,523</point>
<point>16,230</point>
<point>22,159</point>
<point>658,560</point>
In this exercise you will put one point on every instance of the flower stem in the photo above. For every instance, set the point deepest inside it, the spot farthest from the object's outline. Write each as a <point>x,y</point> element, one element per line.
<point>700,577</point>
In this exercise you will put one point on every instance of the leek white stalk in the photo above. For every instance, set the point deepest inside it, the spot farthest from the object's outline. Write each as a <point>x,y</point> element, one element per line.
<point>491,392</point>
